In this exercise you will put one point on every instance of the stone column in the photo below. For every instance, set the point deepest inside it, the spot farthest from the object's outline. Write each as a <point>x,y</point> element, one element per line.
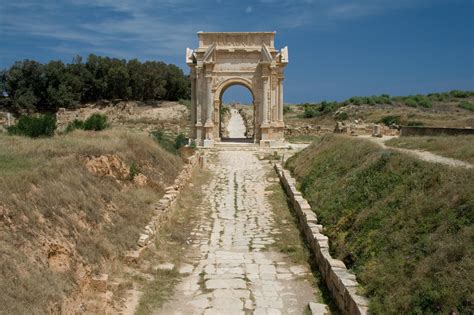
<point>265,101</point>
<point>193,103</point>
<point>198,95</point>
<point>280,100</point>
<point>209,101</point>
<point>209,125</point>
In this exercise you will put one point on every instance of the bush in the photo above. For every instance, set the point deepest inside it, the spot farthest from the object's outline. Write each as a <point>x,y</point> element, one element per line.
<point>186,103</point>
<point>286,109</point>
<point>164,140</point>
<point>342,116</point>
<point>34,127</point>
<point>425,102</point>
<point>390,120</point>
<point>180,141</point>
<point>411,102</point>
<point>134,171</point>
<point>96,122</point>
<point>459,94</point>
<point>466,105</point>
<point>75,124</point>
<point>311,112</point>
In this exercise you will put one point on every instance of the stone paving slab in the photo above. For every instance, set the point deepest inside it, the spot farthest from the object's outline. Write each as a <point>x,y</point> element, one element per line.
<point>234,270</point>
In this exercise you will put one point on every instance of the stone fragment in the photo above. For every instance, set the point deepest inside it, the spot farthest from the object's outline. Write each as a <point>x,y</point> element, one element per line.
<point>318,309</point>
<point>226,284</point>
<point>185,268</point>
<point>99,282</point>
<point>165,266</point>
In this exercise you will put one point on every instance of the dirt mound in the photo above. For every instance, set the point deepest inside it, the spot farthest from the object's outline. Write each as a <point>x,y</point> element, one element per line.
<point>171,116</point>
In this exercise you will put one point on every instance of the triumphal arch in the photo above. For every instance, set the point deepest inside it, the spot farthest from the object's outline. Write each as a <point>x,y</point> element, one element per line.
<point>225,59</point>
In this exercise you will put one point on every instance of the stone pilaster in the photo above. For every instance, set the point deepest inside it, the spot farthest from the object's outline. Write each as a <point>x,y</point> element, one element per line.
<point>280,99</point>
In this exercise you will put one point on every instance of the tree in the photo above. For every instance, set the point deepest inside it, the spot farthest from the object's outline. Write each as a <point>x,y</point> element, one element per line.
<point>118,80</point>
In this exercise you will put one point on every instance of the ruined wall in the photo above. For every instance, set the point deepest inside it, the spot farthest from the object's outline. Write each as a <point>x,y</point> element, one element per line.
<point>435,131</point>
<point>341,283</point>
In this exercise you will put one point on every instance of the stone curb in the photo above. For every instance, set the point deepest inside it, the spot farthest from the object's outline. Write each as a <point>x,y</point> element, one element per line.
<point>341,283</point>
<point>164,206</point>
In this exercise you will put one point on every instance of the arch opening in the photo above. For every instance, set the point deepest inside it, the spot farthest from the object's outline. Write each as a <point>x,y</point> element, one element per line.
<point>236,113</point>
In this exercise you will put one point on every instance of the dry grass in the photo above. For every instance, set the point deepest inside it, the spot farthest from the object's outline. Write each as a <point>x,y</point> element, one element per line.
<point>456,147</point>
<point>50,204</point>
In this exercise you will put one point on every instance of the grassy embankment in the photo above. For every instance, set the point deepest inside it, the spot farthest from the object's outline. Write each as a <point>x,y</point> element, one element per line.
<point>59,222</point>
<point>459,147</point>
<point>404,226</point>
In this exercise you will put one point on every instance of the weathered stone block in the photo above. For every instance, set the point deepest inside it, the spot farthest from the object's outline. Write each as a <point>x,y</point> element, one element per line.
<point>319,309</point>
<point>99,282</point>
<point>132,256</point>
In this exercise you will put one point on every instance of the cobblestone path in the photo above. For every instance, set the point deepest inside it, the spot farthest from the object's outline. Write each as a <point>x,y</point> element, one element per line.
<point>234,270</point>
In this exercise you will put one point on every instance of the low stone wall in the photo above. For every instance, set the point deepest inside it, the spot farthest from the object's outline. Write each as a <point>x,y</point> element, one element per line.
<point>435,131</point>
<point>341,283</point>
<point>165,206</point>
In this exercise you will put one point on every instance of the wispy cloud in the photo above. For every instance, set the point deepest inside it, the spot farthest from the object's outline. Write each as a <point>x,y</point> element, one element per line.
<point>125,28</point>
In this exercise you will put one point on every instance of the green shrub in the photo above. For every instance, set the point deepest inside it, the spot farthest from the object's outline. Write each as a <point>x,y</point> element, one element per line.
<point>390,120</point>
<point>186,103</point>
<point>459,94</point>
<point>180,141</point>
<point>134,171</point>
<point>96,122</point>
<point>164,140</point>
<point>287,109</point>
<point>75,124</point>
<point>425,102</point>
<point>311,112</point>
<point>466,105</point>
<point>411,102</point>
<point>342,116</point>
<point>356,100</point>
<point>34,127</point>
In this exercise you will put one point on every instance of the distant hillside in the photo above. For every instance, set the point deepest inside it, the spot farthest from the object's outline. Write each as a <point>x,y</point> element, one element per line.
<point>46,87</point>
<point>449,109</point>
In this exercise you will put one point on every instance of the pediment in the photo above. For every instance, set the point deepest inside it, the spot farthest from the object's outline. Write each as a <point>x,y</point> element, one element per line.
<point>266,56</point>
<point>209,53</point>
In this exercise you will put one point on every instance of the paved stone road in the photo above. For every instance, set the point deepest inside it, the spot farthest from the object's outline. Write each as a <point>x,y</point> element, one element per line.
<point>232,272</point>
<point>236,126</point>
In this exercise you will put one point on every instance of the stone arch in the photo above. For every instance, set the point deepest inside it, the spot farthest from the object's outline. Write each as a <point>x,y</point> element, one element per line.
<point>237,58</point>
<point>219,93</point>
<point>227,83</point>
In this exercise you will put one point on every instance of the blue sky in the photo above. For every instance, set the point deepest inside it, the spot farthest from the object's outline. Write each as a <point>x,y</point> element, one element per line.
<point>337,48</point>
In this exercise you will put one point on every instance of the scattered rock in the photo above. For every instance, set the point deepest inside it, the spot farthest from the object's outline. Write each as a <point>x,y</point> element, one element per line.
<point>185,268</point>
<point>165,266</point>
<point>99,282</point>
<point>107,165</point>
<point>319,309</point>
